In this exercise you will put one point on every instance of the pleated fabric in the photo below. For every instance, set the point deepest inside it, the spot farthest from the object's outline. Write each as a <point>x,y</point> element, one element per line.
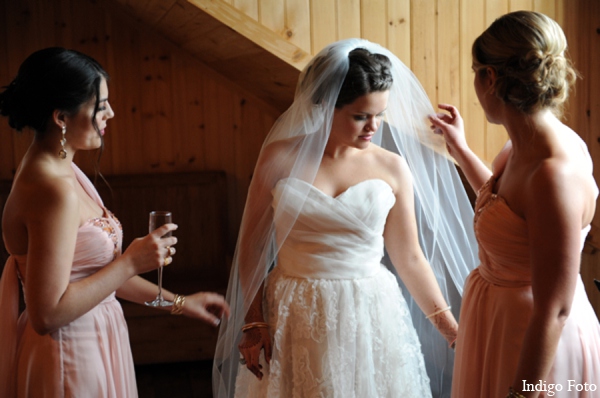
<point>497,306</point>
<point>89,357</point>
<point>341,327</point>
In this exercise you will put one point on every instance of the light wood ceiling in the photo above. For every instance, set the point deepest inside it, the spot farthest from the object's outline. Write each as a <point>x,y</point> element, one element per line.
<point>219,47</point>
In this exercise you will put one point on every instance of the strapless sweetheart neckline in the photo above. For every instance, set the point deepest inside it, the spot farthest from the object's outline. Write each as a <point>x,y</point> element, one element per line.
<point>494,198</point>
<point>341,194</point>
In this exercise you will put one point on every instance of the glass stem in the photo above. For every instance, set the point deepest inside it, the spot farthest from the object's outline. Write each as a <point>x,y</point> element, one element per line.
<point>160,272</point>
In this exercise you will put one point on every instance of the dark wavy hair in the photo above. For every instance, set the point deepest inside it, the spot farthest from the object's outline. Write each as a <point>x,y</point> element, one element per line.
<point>367,73</point>
<point>50,79</point>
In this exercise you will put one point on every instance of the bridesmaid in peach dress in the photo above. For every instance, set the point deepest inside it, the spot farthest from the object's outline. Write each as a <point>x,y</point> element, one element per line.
<point>527,328</point>
<point>65,246</point>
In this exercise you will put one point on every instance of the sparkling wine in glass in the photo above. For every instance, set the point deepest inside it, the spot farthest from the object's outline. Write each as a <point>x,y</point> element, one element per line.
<point>157,220</point>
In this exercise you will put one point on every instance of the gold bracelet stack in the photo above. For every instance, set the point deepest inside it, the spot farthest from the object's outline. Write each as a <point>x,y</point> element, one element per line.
<point>513,394</point>
<point>178,303</point>
<point>253,325</point>
<point>438,312</point>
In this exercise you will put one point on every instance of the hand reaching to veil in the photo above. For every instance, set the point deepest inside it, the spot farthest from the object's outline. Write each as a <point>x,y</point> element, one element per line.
<point>451,126</point>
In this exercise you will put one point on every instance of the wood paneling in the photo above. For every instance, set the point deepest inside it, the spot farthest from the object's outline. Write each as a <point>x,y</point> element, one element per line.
<point>348,19</point>
<point>196,200</point>
<point>448,36</point>
<point>173,113</point>
<point>194,90</point>
<point>434,39</point>
<point>373,21</point>
<point>472,23</point>
<point>260,34</point>
<point>246,63</point>
<point>581,20</point>
<point>495,136</point>
<point>423,47</point>
<point>297,23</point>
<point>398,30</point>
<point>323,32</point>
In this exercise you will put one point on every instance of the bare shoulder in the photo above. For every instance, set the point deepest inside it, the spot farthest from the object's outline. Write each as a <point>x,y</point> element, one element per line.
<point>394,168</point>
<point>35,192</point>
<point>562,179</point>
<point>387,158</point>
<point>569,165</point>
<point>500,160</point>
<point>580,149</point>
<point>551,173</point>
<point>38,203</point>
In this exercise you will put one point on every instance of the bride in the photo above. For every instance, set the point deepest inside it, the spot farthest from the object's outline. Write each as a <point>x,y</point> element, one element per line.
<point>316,313</point>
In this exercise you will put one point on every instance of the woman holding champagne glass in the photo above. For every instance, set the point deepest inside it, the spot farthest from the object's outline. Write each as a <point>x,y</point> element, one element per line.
<point>65,246</point>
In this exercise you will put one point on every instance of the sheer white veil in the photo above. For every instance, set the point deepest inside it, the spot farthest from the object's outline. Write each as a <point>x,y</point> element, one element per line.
<point>293,149</point>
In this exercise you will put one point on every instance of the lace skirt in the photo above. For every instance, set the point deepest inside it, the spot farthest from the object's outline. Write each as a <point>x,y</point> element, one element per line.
<point>338,338</point>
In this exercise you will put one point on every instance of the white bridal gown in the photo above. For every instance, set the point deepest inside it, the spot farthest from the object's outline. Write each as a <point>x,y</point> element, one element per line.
<point>340,324</point>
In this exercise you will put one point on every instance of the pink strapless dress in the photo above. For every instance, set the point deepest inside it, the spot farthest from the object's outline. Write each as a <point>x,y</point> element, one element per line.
<point>497,304</point>
<point>89,357</point>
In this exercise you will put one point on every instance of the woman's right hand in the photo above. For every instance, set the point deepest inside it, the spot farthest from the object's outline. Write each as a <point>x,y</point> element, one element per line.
<point>253,341</point>
<point>149,253</point>
<point>451,126</point>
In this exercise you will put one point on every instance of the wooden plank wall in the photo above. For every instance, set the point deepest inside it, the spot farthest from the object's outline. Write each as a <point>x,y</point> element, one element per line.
<point>434,38</point>
<point>200,263</point>
<point>581,22</point>
<point>173,114</point>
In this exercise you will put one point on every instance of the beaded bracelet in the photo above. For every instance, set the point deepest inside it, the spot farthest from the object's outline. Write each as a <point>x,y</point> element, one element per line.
<point>253,325</point>
<point>513,394</point>
<point>178,303</point>
<point>438,312</point>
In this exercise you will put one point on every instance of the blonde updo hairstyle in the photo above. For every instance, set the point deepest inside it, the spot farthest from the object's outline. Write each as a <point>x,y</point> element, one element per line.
<point>527,51</point>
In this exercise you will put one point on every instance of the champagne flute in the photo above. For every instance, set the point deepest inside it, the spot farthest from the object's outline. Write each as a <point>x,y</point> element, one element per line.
<point>157,220</point>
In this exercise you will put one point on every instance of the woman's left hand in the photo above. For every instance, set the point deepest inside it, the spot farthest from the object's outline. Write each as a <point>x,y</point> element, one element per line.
<point>206,306</point>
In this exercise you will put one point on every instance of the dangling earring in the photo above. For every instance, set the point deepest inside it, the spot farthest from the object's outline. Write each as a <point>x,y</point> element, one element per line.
<point>63,152</point>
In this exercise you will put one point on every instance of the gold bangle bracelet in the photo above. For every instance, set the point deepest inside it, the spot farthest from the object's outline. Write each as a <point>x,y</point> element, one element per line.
<point>438,312</point>
<point>178,303</point>
<point>253,325</point>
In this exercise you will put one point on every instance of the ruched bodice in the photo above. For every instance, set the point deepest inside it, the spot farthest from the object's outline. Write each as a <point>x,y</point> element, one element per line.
<point>502,238</point>
<point>329,301</point>
<point>98,243</point>
<point>339,237</point>
<point>107,235</point>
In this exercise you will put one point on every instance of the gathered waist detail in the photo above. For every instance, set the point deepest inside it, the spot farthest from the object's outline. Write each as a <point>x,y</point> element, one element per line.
<point>301,265</point>
<point>488,275</point>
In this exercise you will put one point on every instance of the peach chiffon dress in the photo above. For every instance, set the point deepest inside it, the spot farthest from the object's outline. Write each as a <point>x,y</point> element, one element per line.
<point>89,357</point>
<point>496,308</point>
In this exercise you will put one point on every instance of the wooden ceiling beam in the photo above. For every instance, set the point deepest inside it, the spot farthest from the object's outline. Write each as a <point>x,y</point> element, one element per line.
<point>254,31</point>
